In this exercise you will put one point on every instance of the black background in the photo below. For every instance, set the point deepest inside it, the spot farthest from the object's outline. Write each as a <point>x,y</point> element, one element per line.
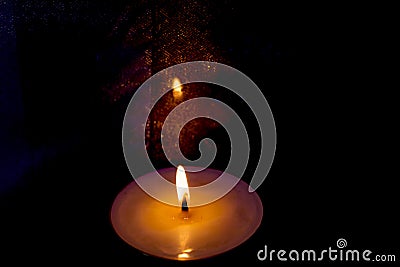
<point>326,72</point>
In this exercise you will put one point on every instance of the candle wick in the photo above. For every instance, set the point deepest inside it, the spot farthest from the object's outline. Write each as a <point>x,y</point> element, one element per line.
<point>185,204</point>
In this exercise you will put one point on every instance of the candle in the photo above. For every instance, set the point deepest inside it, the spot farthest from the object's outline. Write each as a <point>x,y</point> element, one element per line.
<point>184,232</point>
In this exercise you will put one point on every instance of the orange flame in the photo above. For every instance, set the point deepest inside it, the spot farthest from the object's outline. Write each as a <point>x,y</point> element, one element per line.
<point>177,87</point>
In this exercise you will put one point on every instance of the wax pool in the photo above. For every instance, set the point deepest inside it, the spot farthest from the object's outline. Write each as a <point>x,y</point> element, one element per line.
<point>166,231</point>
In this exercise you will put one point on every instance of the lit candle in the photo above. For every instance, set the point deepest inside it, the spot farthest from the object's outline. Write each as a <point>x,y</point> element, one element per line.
<point>185,232</point>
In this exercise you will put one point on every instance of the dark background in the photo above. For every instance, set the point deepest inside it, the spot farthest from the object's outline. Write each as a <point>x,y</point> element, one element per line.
<point>326,72</point>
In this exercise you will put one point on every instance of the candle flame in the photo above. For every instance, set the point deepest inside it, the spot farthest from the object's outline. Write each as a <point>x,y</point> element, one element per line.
<point>177,87</point>
<point>182,187</point>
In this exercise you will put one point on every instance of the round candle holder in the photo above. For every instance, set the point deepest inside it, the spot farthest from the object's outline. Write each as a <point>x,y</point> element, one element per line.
<point>166,231</point>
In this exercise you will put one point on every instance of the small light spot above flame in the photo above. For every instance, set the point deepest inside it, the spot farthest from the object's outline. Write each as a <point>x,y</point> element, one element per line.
<point>182,187</point>
<point>188,250</point>
<point>177,87</point>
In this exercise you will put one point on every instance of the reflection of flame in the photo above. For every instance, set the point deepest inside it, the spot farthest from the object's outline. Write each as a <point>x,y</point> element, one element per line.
<point>183,240</point>
<point>177,87</point>
<point>183,256</point>
<point>182,187</point>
